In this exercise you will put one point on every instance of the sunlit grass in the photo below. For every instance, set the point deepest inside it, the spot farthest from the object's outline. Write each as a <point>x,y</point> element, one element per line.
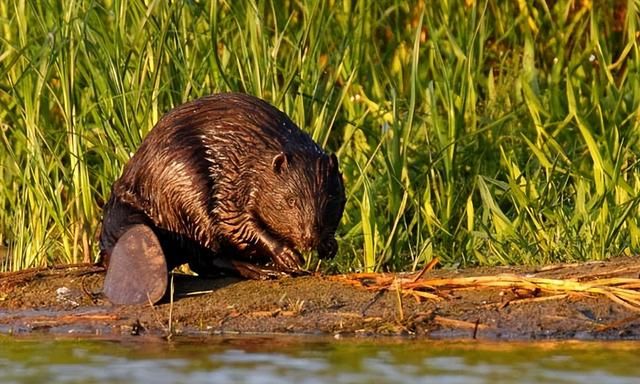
<point>491,132</point>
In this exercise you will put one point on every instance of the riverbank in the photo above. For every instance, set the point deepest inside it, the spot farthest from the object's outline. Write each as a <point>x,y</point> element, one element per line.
<point>570,301</point>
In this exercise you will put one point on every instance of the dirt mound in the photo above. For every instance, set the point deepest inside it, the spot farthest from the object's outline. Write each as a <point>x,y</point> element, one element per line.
<point>593,300</point>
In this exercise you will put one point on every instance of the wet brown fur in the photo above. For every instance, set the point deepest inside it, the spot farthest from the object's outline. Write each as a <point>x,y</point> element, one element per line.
<point>229,177</point>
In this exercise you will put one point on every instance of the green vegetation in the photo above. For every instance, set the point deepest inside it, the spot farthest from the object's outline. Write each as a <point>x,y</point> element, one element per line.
<point>478,132</point>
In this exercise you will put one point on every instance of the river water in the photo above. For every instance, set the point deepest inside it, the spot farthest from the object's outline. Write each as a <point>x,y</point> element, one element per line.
<point>275,359</point>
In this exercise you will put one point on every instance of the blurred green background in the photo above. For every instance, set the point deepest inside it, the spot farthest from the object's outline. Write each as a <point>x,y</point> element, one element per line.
<point>478,132</point>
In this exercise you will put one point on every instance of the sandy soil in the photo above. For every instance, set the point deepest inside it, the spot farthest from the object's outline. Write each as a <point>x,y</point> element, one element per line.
<point>67,300</point>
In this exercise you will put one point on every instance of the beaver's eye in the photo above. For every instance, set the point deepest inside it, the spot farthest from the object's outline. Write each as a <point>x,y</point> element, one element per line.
<point>291,201</point>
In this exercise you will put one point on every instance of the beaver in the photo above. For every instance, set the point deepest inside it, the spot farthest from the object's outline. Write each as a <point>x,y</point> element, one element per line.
<point>227,183</point>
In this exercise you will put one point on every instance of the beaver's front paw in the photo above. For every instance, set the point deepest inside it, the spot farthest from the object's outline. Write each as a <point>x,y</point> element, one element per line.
<point>287,259</point>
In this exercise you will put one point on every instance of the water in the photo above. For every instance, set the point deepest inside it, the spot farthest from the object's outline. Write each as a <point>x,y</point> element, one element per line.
<point>309,360</point>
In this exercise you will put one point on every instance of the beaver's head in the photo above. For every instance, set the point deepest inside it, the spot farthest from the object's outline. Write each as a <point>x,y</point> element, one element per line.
<point>302,199</point>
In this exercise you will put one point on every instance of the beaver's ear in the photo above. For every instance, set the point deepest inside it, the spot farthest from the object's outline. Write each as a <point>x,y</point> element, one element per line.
<point>279,163</point>
<point>333,161</point>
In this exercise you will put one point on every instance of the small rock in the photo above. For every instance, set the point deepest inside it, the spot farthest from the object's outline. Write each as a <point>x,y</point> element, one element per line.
<point>64,296</point>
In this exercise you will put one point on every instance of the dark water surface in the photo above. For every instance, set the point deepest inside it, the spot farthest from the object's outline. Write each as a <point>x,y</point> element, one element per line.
<point>50,359</point>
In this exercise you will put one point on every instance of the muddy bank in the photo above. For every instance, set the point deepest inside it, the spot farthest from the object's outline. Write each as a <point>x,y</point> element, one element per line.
<point>65,300</point>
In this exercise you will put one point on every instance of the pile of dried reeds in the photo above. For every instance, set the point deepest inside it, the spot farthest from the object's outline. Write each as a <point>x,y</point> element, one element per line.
<point>621,290</point>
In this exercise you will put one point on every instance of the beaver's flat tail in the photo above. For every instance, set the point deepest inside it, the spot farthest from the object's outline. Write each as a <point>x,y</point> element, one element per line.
<point>137,272</point>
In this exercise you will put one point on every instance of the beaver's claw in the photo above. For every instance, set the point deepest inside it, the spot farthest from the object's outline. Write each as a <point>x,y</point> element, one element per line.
<point>287,259</point>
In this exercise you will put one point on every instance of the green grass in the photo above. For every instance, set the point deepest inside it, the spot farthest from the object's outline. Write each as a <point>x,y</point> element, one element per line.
<point>488,132</point>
